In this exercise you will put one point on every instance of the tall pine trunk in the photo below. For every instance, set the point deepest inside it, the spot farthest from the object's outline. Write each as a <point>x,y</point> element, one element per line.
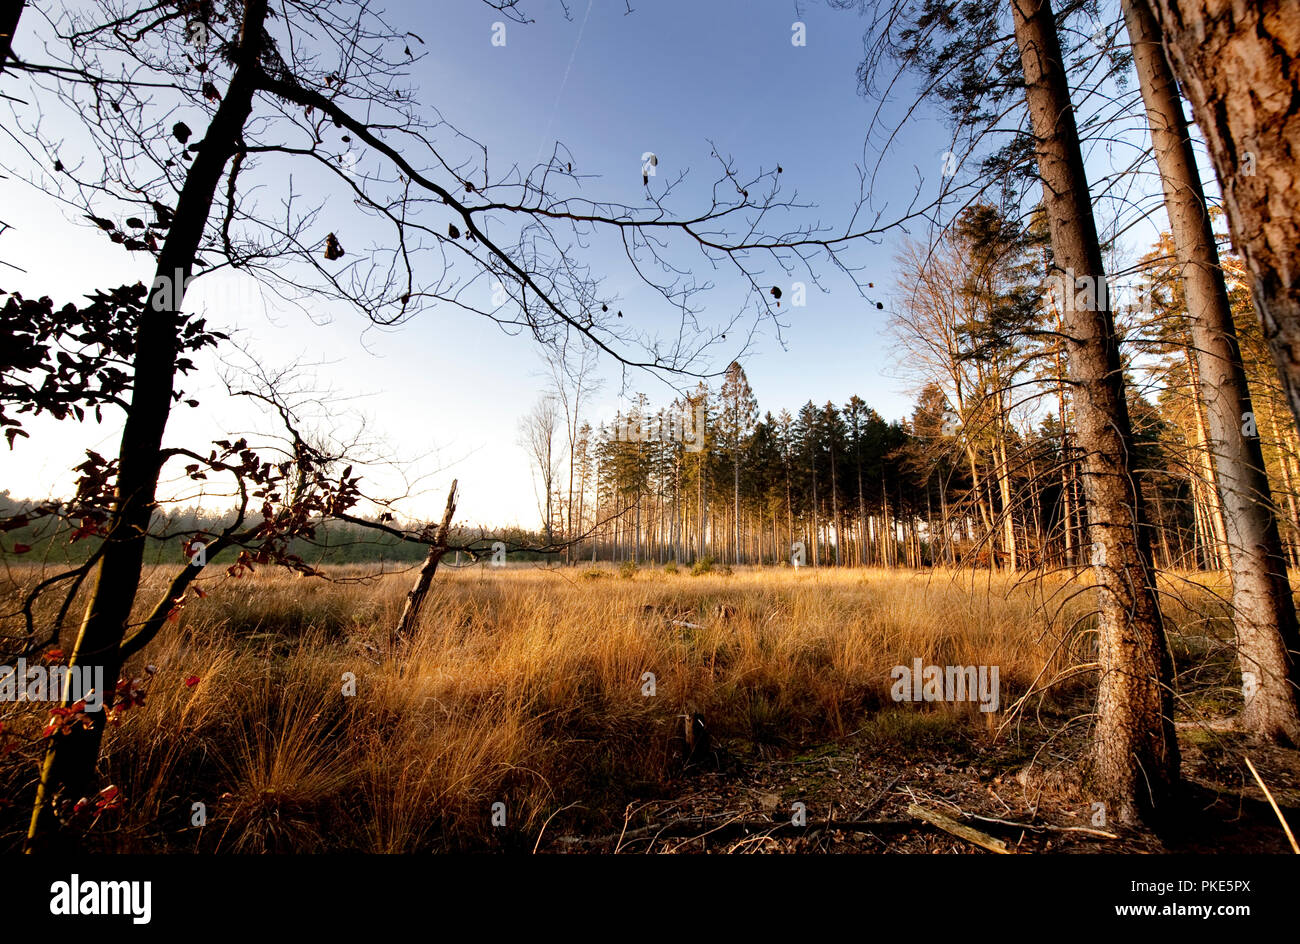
<point>735,465</point>
<point>835,507</point>
<point>1284,464</point>
<point>1207,482</point>
<point>1135,751</point>
<point>1263,610</point>
<point>1067,478</point>
<point>1004,493</point>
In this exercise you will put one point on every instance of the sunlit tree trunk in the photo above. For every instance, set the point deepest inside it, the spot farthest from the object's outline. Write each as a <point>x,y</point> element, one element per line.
<point>1004,489</point>
<point>1207,478</point>
<point>1288,480</point>
<point>1263,610</point>
<point>1135,751</point>
<point>1067,465</point>
<point>862,520</point>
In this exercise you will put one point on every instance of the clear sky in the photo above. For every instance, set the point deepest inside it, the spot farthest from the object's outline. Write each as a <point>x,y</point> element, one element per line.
<point>448,387</point>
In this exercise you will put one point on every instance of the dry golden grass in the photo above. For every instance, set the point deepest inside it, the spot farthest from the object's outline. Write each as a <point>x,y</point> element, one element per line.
<point>524,686</point>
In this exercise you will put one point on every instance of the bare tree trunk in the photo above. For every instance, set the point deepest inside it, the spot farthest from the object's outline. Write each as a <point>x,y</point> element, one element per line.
<point>977,489</point>
<point>1284,464</point>
<point>1004,489</point>
<point>1239,65</point>
<point>1207,483</point>
<point>1287,456</point>
<point>929,521</point>
<point>1067,465</point>
<point>699,510</point>
<point>735,465</point>
<point>789,513</point>
<point>1135,751</point>
<point>816,531</point>
<point>949,554</point>
<point>705,536</point>
<point>568,512</point>
<point>835,507</point>
<point>862,519</point>
<point>887,549</point>
<point>1162,525</point>
<point>1209,479</point>
<point>1067,512</point>
<point>69,766</point>
<point>415,597</point>
<point>1206,540</point>
<point>1039,552</point>
<point>1263,610</point>
<point>582,502</point>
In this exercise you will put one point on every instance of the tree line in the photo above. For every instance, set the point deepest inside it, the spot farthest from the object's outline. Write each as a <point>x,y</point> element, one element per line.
<point>985,472</point>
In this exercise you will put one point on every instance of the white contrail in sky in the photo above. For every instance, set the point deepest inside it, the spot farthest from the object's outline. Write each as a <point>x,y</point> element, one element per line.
<point>564,81</point>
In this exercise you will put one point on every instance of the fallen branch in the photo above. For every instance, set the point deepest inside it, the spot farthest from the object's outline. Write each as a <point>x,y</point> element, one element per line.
<point>415,598</point>
<point>983,840</point>
<point>1040,827</point>
<point>687,828</point>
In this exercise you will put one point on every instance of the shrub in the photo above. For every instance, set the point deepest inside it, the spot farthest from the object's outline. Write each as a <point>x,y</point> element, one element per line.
<point>702,566</point>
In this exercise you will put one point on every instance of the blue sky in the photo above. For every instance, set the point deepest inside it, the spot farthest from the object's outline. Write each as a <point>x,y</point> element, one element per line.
<point>670,78</point>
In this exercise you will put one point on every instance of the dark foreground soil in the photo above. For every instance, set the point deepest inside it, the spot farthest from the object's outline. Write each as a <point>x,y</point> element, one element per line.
<point>860,794</point>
